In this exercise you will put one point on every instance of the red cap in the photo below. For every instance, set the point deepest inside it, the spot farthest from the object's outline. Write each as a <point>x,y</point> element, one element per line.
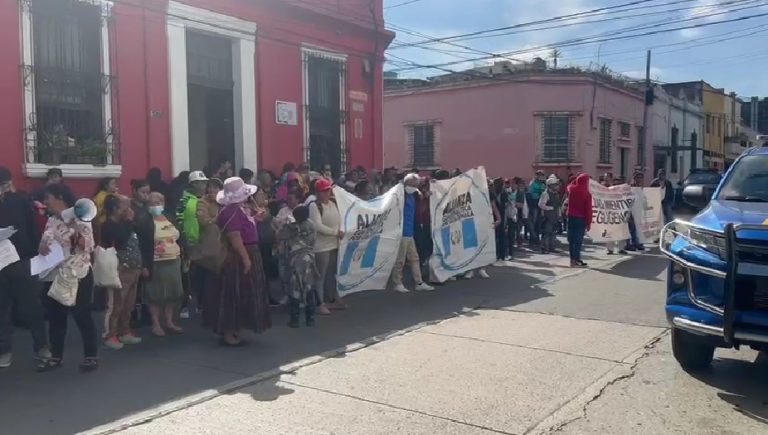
<point>323,185</point>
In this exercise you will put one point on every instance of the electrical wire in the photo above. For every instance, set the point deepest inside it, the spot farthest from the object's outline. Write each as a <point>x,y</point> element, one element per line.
<point>591,40</point>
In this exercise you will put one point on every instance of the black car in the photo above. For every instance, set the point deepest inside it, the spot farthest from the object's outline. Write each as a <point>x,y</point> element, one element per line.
<point>705,179</point>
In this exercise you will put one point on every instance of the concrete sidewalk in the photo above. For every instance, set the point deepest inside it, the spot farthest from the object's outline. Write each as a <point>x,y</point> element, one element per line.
<point>159,371</point>
<point>483,372</point>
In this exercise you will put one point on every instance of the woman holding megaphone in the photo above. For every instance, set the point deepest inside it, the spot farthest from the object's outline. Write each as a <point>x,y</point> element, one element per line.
<point>70,284</point>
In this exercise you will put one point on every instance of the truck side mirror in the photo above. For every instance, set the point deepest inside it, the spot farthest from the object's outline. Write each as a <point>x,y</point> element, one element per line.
<point>697,196</point>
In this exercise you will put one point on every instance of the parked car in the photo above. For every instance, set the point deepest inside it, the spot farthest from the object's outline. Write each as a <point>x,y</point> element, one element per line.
<point>717,280</point>
<point>698,179</point>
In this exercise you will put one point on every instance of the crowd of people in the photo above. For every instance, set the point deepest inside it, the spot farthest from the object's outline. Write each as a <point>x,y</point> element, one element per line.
<point>230,246</point>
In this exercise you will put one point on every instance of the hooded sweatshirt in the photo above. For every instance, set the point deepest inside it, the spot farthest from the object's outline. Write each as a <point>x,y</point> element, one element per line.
<point>580,199</point>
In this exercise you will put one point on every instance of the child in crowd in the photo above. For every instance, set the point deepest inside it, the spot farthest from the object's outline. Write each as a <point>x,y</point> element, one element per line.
<point>299,235</point>
<point>118,232</point>
<point>550,204</point>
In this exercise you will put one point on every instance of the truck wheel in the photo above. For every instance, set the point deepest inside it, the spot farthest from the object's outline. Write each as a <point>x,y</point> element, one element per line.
<point>690,351</point>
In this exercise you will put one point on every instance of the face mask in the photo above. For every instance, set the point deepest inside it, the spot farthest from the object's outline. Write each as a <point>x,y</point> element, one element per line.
<point>156,210</point>
<point>411,189</point>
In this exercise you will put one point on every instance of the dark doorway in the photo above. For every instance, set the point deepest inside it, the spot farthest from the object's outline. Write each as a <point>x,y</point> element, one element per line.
<point>324,114</point>
<point>210,101</point>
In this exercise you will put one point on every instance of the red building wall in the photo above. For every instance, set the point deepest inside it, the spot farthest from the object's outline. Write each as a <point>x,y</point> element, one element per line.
<point>142,98</point>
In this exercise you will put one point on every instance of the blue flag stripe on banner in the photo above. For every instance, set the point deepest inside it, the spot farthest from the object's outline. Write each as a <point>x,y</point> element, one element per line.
<point>446,236</point>
<point>469,232</point>
<point>369,257</point>
<point>346,261</point>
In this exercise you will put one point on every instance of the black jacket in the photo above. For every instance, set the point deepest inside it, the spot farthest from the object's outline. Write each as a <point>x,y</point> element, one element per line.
<point>144,226</point>
<point>16,211</point>
<point>669,191</point>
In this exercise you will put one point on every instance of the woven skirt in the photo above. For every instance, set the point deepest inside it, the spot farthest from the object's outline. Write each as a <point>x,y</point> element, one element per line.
<point>165,287</point>
<point>240,300</point>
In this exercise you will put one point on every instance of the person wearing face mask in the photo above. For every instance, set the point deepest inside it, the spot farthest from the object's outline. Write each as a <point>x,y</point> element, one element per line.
<point>18,289</point>
<point>164,290</point>
<point>408,251</point>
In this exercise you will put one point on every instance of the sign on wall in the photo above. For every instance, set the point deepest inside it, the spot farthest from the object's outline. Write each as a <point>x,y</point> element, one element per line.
<point>286,113</point>
<point>372,234</point>
<point>462,225</point>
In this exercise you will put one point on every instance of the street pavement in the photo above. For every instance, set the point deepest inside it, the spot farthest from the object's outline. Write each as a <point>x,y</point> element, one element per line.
<point>539,348</point>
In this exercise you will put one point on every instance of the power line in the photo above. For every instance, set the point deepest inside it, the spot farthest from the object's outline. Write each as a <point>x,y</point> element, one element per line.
<point>405,3</point>
<point>544,21</point>
<point>622,17</point>
<point>591,40</point>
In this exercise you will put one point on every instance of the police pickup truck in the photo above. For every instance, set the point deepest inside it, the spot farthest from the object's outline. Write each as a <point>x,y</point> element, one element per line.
<point>717,281</point>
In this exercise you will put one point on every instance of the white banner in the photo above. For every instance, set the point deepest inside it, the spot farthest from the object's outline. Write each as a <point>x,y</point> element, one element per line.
<point>372,233</point>
<point>611,208</point>
<point>462,225</point>
<point>647,214</point>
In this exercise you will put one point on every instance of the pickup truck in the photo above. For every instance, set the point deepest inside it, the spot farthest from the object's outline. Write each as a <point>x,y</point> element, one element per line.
<point>717,280</point>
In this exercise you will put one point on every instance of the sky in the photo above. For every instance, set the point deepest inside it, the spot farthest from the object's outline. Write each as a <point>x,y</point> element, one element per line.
<point>727,55</point>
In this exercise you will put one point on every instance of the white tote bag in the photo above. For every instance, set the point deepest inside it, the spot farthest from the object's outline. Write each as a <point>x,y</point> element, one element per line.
<point>105,268</point>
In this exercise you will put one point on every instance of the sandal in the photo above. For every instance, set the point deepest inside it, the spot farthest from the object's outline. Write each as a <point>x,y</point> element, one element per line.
<point>174,330</point>
<point>224,343</point>
<point>89,365</point>
<point>158,332</point>
<point>50,364</point>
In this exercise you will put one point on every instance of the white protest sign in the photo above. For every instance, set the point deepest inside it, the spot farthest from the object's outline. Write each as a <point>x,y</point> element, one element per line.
<point>646,211</point>
<point>372,233</point>
<point>611,208</point>
<point>462,225</point>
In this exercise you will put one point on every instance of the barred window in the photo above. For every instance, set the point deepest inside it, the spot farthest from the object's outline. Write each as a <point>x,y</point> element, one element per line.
<point>605,140</point>
<point>69,86</point>
<point>557,138</point>
<point>625,130</point>
<point>422,144</point>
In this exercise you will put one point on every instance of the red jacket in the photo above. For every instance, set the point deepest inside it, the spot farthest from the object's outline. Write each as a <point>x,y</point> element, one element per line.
<point>580,199</point>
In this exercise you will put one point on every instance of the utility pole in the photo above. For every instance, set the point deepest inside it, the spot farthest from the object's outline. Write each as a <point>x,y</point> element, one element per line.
<point>648,100</point>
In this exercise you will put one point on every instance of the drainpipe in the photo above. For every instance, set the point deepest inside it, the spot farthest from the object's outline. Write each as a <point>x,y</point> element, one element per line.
<point>372,83</point>
<point>147,105</point>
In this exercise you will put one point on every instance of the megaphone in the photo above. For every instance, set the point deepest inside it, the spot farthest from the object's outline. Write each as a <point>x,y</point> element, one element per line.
<point>84,210</point>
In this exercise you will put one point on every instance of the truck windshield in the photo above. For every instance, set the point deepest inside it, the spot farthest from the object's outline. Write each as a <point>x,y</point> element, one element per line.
<point>748,181</point>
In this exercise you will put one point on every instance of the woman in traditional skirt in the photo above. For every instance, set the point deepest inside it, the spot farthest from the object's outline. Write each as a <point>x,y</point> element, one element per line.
<point>242,300</point>
<point>164,290</point>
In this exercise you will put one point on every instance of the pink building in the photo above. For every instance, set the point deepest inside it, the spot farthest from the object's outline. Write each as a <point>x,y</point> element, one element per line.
<point>561,122</point>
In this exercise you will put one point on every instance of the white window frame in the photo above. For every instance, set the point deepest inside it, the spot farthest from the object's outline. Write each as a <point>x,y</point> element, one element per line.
<point>242,33</point>
<point>308,51</point>
<point>410,145</point>
<point>31,167</point>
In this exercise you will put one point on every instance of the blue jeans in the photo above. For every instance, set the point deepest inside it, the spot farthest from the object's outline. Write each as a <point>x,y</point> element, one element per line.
<point>576,229</point>
<point>666,209</point>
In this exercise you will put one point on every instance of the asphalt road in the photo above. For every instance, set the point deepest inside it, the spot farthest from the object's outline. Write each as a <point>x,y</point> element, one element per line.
<point>538,348</point>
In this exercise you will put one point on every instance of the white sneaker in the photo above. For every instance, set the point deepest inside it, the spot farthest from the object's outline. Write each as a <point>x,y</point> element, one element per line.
<point>424,287</point>
<point>469,275</point>
<point>483,274</point>
<point>184,314</point>
<point>5,360</point>
<point>401,289</point>
<point>453,278</point>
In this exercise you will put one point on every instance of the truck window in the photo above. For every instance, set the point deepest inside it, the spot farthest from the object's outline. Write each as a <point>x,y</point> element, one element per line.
<point>747,181</point>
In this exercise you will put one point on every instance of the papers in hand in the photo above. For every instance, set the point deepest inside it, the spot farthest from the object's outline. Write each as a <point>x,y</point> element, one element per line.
<point>8,254</point>
<point>7,232</point>
<point>44,263</point>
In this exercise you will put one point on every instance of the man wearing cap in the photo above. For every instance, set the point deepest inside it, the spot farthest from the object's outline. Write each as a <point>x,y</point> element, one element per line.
<point>408,251</point>
<point>17,287</point>
<point>186,213</point>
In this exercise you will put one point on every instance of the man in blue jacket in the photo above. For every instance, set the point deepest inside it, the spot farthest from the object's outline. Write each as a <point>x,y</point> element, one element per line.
<point>408,250</point>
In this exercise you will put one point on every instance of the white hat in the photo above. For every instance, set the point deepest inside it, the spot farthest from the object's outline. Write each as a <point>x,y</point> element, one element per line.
<point>197,176</point>
<point>552,180</point>
<point>235,191</point>
<point>411,178</point>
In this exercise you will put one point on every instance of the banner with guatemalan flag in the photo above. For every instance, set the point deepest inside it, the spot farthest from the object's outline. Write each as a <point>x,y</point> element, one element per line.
<point>372,234</point>
<point>462,225</point>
